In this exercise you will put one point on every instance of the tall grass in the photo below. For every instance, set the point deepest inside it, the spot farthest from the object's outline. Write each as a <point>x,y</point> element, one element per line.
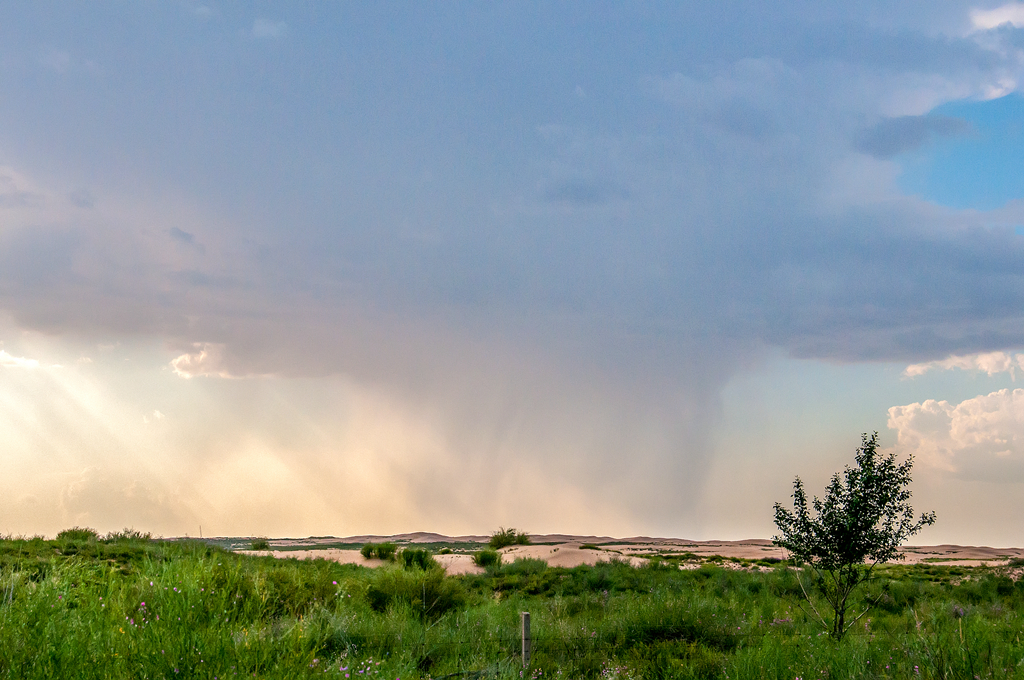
<point>83,607</point>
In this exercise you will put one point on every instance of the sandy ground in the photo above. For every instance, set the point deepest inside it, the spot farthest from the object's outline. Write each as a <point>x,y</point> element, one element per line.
<point>560,550</point>
<point>566,555</point>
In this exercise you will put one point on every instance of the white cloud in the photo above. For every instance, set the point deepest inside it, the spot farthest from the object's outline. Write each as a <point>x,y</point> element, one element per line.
<point>980,438</point>
<point>1011,13</point>
<point>207,361</point>
<point>990,362</point>
<point>17,191</point>
<point>8,361</point>
<point>264,28</point>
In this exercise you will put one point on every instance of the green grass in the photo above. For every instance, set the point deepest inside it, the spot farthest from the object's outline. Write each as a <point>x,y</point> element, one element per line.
<point>126,606</point>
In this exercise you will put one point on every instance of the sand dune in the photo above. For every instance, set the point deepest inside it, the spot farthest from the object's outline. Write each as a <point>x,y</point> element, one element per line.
<point>563,550</point>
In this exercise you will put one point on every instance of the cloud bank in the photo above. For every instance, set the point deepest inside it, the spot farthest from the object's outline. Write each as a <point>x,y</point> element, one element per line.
<point>531,299</point>
<point>1009,14</point>
<point>980,438</point>
<point>7,361</point>
<point>989,362</point>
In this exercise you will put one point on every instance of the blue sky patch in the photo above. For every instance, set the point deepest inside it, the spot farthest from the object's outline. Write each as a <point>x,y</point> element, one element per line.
<point>983,168</point>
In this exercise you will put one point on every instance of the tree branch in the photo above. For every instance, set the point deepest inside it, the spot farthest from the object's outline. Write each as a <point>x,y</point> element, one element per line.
<point>808,598</point>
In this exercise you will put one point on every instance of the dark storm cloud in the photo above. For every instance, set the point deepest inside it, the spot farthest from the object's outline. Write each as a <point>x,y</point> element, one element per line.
<point>182,236</point>
<point>898,287</point>
<point>420,199</point>
<point>893,136</point>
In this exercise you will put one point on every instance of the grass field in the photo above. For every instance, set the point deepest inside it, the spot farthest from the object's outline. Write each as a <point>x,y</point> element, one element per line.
<point>130,607</point>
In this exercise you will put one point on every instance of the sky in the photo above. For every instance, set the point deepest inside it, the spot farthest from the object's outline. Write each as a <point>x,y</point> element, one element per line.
<point>618,269</point>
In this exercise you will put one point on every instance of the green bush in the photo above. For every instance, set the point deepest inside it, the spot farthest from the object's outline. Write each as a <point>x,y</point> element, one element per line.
<point>259,544</point>
<point>78,535</point>
<point>505,537</point>
<point>127,536</point>
<point>430,593</point>
<point>418,557</point>
<point>382,551</point>
<point>524,566</point>
<point>487,558</point>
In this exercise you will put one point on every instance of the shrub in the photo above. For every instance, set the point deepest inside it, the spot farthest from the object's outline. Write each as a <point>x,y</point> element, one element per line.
<point>382,551</point>
<point>127,536</point>
<point>674,621</point>
<point>430,593</point>
<point>487,558</point>
<point>260,543</point>
<point>589,546</point>
<point>505,537</point>
<point>524,566</point>
<point>291,589</point>
<point>78,535</point>
<point>418,557</point>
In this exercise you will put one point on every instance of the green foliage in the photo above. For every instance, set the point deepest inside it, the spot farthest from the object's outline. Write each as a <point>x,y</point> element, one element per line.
<point>487,558</point>
<point>382,551</point>
<point>429,593</point>
<point>259,543</point>
<point>418,557</point>
<point>865,516</point>
<point>524,566</point>
<point>127,536</point>
<point>78,535</point>
<point>505,537</point>
<point>210,613</point>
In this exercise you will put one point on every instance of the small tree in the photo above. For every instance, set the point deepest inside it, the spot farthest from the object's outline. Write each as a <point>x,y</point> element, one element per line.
<point>863,519</point>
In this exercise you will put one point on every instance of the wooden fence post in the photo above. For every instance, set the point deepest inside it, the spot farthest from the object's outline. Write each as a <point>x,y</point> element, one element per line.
<point>525,616</point>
